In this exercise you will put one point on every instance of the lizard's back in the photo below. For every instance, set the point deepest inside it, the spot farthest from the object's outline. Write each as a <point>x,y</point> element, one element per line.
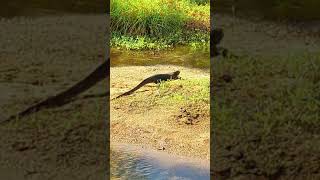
<point>152,79</point>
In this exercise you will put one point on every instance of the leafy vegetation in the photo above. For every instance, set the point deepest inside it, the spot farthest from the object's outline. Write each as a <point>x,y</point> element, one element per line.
<point>158,24</point>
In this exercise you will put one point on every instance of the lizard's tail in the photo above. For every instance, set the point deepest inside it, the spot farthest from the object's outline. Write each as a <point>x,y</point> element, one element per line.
<point>144,82</point>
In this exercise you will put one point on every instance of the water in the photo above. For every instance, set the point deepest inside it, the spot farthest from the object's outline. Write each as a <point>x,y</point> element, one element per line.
<point>130,162</point>
<point>181,56</point>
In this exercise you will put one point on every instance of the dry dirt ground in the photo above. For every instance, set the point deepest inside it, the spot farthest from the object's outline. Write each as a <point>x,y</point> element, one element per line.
<point>39,58</point>
<point>135,119</point>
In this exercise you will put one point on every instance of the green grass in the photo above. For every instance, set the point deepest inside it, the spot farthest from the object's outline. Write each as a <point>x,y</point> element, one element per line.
<point>137,43</point>
<point>158,24</point>
<point>185,91</point>
<point>272,105</point>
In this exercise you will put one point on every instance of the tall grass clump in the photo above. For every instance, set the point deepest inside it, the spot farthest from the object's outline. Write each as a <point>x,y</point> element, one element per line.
<point>161,23</point>
<point>146,17</point>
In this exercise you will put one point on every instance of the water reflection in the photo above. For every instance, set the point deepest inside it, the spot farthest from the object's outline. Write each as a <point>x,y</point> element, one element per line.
<point>182,56</point>
<point>135,164</point>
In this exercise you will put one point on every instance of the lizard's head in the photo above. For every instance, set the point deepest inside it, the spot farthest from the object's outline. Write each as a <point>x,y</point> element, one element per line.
<point>175,74</point>
<point>216,36</point>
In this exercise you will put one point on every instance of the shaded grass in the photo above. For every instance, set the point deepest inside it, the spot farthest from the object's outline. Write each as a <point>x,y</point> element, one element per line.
<point>272,106</point>
<point>157,24</point>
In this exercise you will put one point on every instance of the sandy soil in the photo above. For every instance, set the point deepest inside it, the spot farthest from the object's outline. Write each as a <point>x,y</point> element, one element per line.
<point>39,58</point>
<point>156,126</point>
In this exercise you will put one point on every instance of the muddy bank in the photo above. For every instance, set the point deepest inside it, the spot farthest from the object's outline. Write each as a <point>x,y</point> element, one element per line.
<point>39,58</point>
<point>139,119</point>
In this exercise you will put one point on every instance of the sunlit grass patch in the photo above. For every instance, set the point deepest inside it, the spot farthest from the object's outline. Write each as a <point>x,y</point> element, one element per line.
<point>185,91</point>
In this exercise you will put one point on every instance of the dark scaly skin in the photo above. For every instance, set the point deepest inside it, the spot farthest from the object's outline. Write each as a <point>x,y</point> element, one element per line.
<point>216,36</point>
<point>100,73</point>
<point>153,79</point>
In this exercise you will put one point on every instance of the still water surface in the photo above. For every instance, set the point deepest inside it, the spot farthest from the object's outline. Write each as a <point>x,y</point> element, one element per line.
<point>131,162</point>
<point>181,56</point>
